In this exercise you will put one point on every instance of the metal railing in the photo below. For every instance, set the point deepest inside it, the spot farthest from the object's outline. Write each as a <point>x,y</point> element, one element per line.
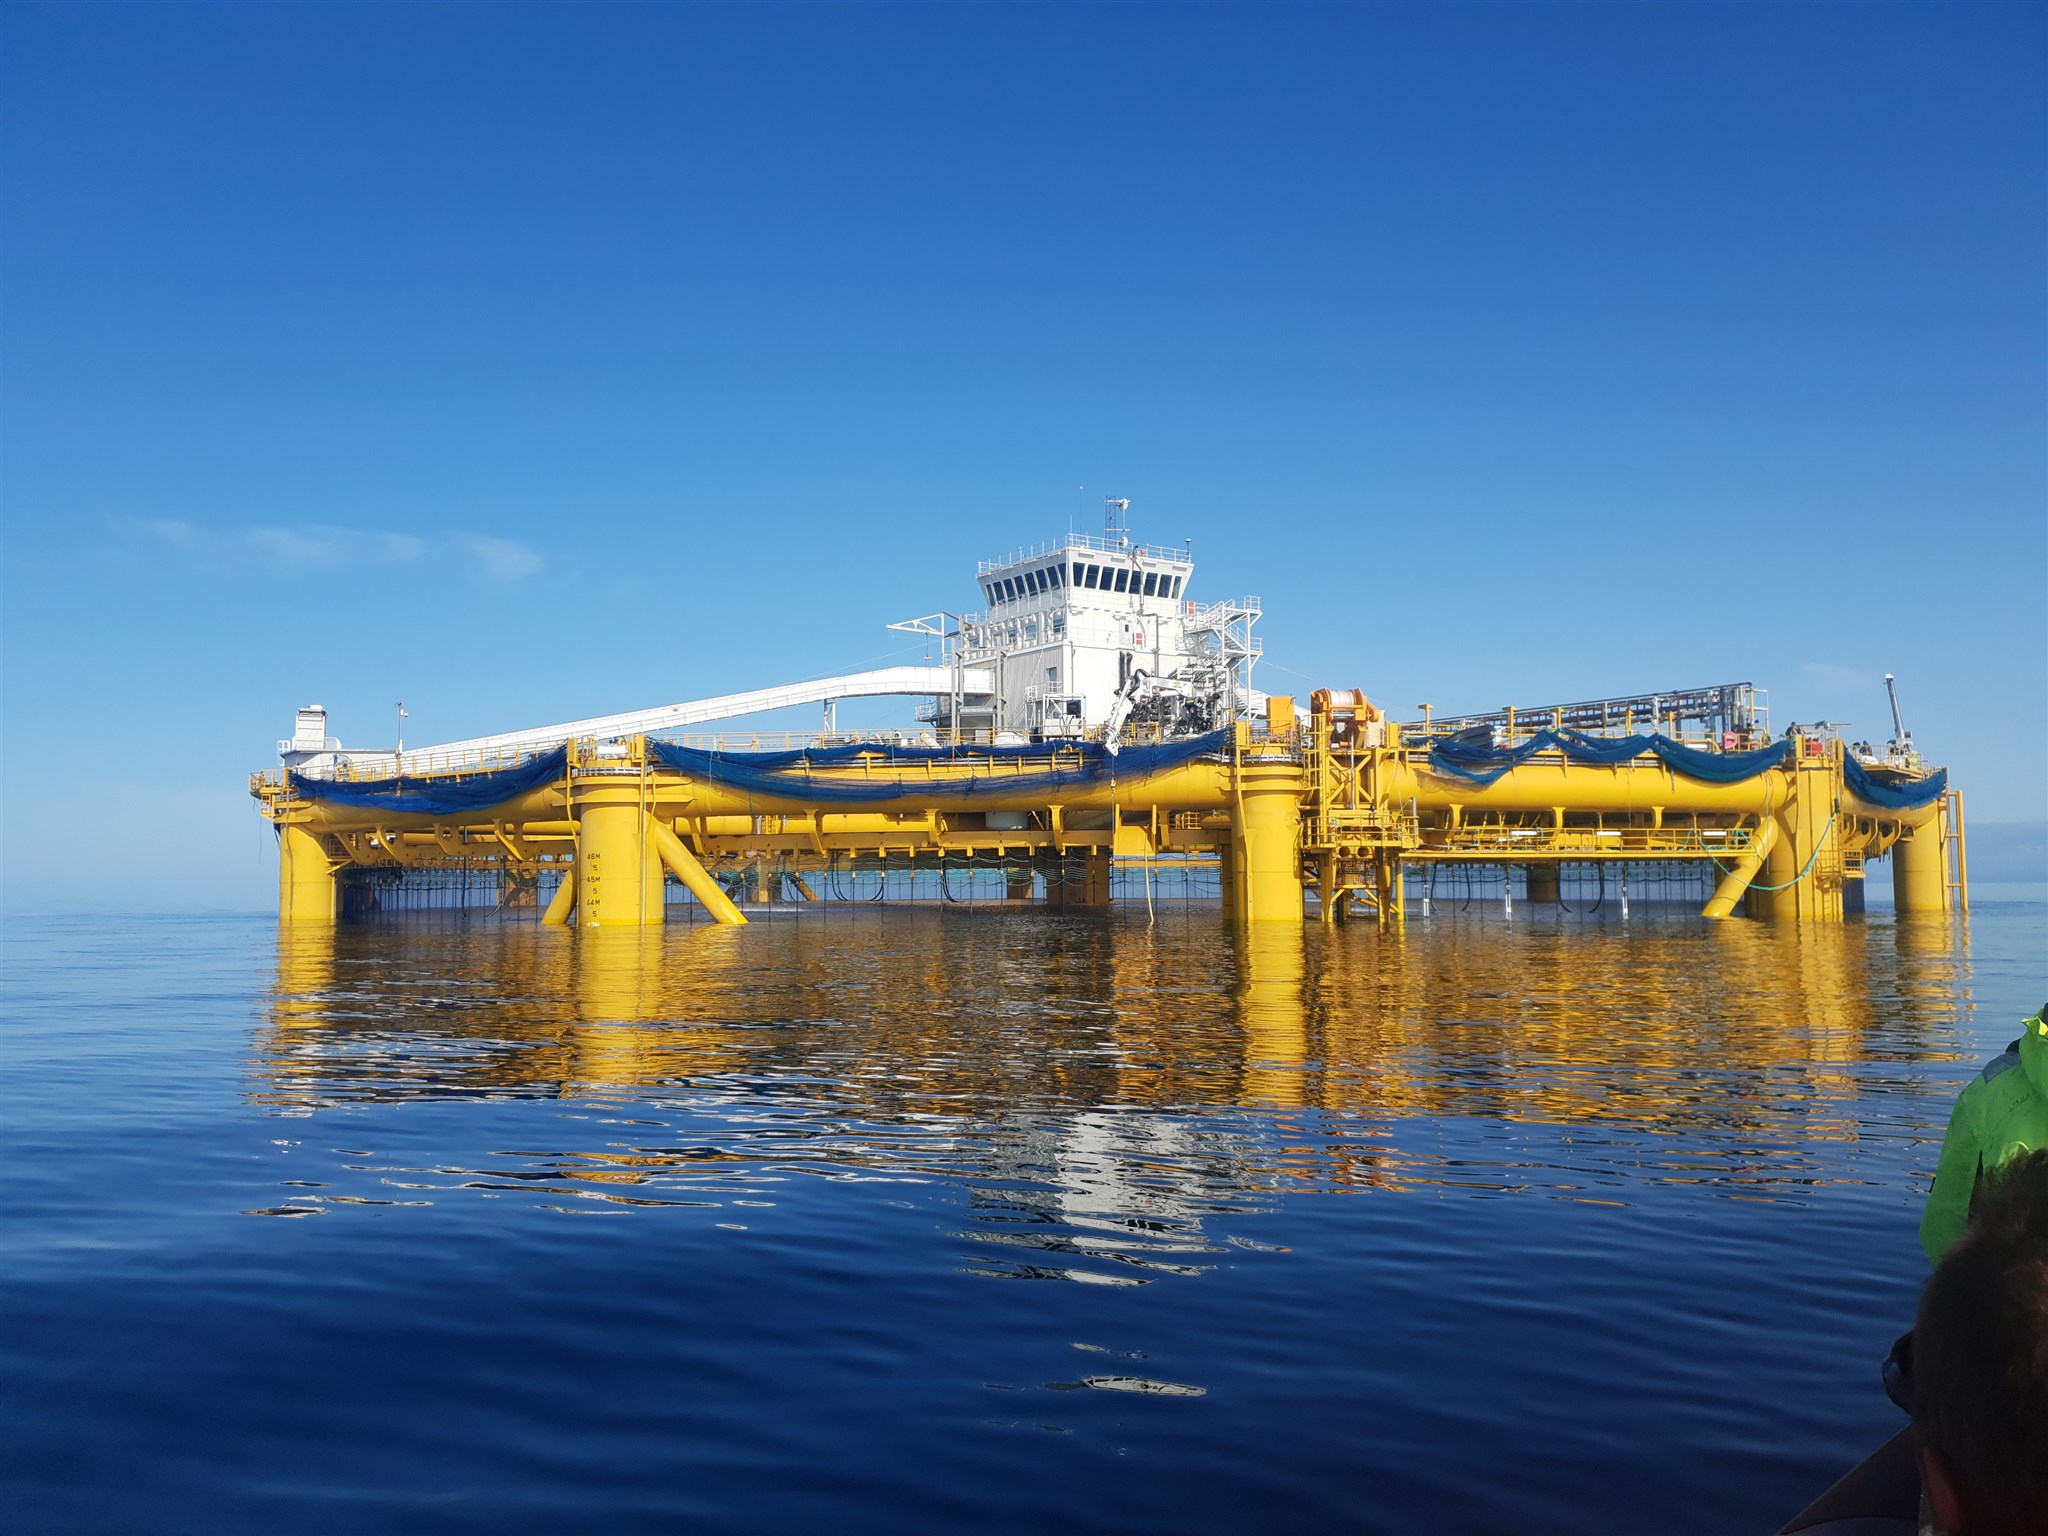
<point>1094,544</point>
<point>1706,717</point>
<point>1587,843</point>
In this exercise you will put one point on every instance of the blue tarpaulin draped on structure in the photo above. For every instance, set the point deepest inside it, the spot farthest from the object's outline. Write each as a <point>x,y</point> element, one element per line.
<point>1482,763</point>
<point>1893,797</point>
<point>987,770</point>
<point>437,796</point>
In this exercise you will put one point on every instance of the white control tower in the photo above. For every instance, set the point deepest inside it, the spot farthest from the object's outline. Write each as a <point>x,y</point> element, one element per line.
<point>1070,625</point>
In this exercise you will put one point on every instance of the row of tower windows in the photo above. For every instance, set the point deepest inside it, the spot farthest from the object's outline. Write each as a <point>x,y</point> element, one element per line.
<point>1099,578</point>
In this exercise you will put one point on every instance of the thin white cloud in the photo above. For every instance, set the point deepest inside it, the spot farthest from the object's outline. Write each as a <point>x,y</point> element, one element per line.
<point>299,546</point>
<point>172,530</point>
<point>320,544</point>
<point>326,546</point>
<point>503,560</point>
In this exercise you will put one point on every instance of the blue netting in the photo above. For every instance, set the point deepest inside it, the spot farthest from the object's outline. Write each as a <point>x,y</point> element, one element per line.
<point>437,796</point>
<point>1893,797</point>
<point>1480,762</point>
<point>988,770</point>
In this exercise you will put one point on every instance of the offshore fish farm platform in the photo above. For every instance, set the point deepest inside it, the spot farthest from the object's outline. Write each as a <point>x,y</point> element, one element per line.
<point>1093,717</point>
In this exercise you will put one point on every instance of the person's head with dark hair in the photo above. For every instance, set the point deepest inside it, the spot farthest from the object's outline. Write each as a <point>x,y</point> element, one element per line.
<point>1980,1363</point>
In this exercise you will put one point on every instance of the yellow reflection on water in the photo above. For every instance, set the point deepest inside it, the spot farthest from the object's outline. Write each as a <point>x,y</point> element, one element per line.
<point>1752,1041</point>
<point>1273,965</point>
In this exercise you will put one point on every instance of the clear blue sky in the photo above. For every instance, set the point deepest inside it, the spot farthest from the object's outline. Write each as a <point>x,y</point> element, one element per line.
<point>527,363</point>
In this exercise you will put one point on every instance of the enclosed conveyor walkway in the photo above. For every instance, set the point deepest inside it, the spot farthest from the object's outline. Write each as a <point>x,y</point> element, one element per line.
<point>883,682</point>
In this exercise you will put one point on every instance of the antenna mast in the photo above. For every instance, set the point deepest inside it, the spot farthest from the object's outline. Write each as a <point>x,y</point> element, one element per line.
<point>1901,737</point>
<point>1115,524</point>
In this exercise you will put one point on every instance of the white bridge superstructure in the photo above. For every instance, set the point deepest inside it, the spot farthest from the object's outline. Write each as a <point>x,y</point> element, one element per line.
<point>1069,625</point>
<point>1081,634</point>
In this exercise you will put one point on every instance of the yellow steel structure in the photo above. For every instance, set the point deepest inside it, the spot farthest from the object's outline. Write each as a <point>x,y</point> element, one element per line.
<point>1335,808</point>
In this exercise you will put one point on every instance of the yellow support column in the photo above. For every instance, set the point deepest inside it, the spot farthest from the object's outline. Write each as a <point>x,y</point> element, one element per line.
<point>1918,883</point>
<point>306,888</point>
<point>1773,896</point>
<point>618,869</point>
<point>1266,867</point>
<point>1802,874</point>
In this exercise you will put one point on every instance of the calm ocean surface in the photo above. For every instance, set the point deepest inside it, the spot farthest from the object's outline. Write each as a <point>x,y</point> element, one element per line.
<point>942,1222</point>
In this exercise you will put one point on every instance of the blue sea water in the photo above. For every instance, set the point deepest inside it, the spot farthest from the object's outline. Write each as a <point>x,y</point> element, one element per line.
<point>921,1221</point>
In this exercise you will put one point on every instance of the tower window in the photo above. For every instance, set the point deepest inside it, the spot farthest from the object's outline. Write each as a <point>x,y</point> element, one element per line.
<point>1122,577</point>
<point>1151,583</point>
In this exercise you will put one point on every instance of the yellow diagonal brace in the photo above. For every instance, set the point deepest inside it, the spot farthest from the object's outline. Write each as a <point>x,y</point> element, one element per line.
<point>683,864</point>
<point>514,845</point>
<point>1737,880</point>
<point>563,902</point>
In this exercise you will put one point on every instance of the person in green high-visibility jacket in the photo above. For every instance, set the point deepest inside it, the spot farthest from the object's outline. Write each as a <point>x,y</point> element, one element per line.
<point>2001,1113</point>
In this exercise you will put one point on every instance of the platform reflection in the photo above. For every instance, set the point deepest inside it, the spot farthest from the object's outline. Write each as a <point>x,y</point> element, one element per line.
<point>1117,1070</point>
